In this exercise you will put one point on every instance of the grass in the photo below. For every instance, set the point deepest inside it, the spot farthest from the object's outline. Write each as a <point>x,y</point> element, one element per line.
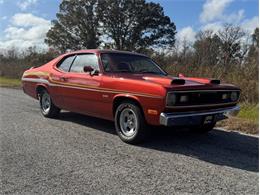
<point>9,82</point>
<point>247,120</point>
<point>249,112</point>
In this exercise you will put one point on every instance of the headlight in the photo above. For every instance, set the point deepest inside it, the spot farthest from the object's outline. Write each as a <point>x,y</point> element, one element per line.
<point>184,98</point>
<point>234,96</point>
<point>224,96</point>
<point>171,99</point>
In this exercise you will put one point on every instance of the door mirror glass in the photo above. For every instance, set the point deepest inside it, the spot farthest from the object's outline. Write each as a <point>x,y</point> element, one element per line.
<point>88,69</point>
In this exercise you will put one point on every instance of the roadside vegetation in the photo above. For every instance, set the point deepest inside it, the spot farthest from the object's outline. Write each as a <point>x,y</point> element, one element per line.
<point>249,112</point>
<point>229,54</point>
<point>246,121</point>
<point>10,82</point>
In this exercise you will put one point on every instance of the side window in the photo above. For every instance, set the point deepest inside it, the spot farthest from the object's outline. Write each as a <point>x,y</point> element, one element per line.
<point>65,64</point>
<point>84,60</point>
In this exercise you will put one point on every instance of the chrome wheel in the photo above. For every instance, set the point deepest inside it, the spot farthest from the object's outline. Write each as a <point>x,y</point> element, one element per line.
<point>128,122</point>
<point>48,109</point>
<point>45,102</point>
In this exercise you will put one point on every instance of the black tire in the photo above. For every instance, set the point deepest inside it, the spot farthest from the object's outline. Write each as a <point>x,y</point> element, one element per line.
<point>202,129</point>
<point>140,133</point>
<point>52,111</point>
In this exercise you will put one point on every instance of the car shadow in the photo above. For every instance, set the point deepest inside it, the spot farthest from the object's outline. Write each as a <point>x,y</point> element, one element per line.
<point>219,147</point>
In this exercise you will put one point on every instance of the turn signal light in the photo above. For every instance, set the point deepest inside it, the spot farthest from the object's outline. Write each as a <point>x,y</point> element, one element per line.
<point>153,112</point>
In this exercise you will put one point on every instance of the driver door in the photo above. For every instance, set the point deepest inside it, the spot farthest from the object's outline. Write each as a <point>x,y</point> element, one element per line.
<point>81,94</point>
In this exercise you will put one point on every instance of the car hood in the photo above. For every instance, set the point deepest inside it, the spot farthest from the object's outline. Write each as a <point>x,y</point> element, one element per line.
<point>178,82</point>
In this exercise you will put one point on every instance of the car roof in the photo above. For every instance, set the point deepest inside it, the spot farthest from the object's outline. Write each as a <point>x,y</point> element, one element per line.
<point>99,51</point>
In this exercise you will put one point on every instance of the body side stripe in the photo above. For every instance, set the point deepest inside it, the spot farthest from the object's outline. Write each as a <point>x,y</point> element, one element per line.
<point>83,87</point>
<point>36,74</point>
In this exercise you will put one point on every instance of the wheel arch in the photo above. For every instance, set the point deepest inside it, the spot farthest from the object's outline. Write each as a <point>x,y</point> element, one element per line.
<point>39,88</point>
<point>118,99</point>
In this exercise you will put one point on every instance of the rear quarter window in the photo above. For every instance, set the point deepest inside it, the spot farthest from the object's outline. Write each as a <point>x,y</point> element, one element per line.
<point>66,63</point>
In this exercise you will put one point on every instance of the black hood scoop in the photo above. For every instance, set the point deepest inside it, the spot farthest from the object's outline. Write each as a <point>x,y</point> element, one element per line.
<point>215,81</point>
<point>178,82</point>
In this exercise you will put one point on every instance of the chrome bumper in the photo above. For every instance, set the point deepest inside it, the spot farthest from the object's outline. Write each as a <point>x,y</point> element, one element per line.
<point>196,118</point>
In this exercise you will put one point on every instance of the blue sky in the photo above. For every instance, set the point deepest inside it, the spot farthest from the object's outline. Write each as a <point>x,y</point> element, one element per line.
<point>187,12</point>
<point>24,23</point>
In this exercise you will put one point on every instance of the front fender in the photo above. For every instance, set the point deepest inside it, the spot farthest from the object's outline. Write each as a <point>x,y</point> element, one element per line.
<point>151,107</point>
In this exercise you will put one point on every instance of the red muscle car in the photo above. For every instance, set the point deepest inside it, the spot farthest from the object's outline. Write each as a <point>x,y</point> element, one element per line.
<point>129,89</point>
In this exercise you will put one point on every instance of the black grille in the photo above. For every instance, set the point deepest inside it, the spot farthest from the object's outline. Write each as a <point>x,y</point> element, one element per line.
<point>203,98</point>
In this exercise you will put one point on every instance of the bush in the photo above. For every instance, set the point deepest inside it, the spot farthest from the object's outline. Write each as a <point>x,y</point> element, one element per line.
<point>13,64</point>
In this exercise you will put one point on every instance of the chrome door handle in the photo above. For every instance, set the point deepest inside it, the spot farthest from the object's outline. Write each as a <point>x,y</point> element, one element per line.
<point>64,78</point>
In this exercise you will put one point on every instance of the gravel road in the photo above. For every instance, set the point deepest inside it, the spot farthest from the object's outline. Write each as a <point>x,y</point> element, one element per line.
<point>76,154</point>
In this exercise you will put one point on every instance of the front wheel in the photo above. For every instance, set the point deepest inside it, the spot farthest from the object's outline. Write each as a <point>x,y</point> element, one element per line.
<point>130,123</point>
<point>48,109</point>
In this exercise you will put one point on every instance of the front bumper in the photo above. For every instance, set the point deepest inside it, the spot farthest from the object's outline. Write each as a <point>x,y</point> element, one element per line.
<point>196,118</point>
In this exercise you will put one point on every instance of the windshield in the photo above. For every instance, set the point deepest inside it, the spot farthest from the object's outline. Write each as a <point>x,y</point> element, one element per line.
<point>116,62</point>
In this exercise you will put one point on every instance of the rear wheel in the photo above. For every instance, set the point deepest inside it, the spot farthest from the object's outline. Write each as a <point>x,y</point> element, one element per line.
<point>130,123</point>
<point>48,109</point>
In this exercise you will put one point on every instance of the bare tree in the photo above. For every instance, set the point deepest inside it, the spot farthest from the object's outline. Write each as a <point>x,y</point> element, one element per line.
<point>230,48</point>
<point>206,48</point>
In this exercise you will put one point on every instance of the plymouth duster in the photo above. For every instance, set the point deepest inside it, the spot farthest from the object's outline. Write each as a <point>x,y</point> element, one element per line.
<point>129,89</point>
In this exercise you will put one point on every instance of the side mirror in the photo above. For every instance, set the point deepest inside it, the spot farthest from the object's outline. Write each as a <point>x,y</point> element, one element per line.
<point>88,69</point>
<point>91,71</point>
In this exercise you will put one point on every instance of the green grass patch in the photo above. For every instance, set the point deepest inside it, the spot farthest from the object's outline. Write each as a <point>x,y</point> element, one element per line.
<point>9,82</point>
<point>246,121</point>
<point>249,112</point>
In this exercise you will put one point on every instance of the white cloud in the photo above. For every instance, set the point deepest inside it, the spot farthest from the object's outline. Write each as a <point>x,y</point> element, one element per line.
<point>215,27</point>
<point>213,9</point>
<point>214,16</point>
<point>186,34</point>
<point>27,19</point>
<point>33,33</point>
<point>22,45</point>
<point>25,30</point>
<point>234,17</point>
<point>24,4</point>
<point>250,24</point>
